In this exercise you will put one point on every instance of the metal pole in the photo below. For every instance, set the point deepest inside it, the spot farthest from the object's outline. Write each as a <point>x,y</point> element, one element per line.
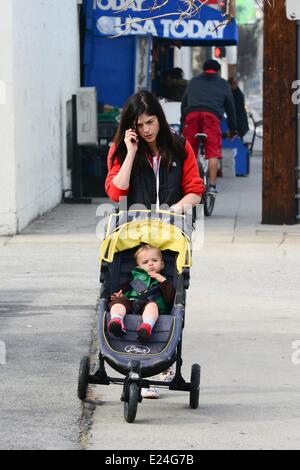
<point>76,173</point>
<point>232,68</point>
<point>232,8</point>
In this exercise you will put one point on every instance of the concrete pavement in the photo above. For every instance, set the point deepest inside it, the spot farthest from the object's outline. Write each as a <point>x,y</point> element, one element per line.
<point>48,296</point>
<point>242,320</point>
<point>242,323</point>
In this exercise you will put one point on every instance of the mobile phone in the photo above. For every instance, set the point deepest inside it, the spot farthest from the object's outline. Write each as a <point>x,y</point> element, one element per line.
<point>134,140</point>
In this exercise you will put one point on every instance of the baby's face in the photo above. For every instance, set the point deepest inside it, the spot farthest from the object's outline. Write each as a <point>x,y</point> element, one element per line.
<point>150,260</point>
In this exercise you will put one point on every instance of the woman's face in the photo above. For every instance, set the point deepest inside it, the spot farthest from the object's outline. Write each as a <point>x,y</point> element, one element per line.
<point>148,128</point>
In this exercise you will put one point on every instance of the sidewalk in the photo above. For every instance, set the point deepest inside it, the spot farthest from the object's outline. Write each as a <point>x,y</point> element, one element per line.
<point>49,289</point>
<point>242,319</point>
<point>237,214</point>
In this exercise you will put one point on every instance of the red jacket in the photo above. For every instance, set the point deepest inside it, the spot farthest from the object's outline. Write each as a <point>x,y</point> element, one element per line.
<point>190,182</point>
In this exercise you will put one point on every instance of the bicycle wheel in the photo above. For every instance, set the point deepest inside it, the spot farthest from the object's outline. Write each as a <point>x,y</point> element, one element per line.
<point>201,171</point>
<point>209,204</point>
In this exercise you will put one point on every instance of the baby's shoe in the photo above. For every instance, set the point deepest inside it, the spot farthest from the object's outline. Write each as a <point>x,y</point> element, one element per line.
<point>144,332</point>
<point>116,327</point>
<point>151,392</point>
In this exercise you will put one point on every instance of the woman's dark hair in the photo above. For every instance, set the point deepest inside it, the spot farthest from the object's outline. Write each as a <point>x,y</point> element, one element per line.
<point>169,144</point>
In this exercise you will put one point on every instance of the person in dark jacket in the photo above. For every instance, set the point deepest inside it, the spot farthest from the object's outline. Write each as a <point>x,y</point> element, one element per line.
<point>173,85</point>
<point>149,163</point>
<point>207,98</point>
<point>241,113</point>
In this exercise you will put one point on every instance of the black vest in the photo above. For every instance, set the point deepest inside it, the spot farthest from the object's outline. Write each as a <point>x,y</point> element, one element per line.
<point>143,187</point>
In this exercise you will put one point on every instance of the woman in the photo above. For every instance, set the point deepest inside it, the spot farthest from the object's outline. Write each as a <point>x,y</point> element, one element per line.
<point>152,165</point>
<point>149,163</point>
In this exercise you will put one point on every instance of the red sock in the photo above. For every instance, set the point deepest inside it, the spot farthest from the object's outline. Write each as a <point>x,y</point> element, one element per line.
<point>116,326</point>
<point>144,331</point>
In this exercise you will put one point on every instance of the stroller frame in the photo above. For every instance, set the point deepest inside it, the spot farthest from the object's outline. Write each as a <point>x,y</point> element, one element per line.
<point>133,382</point>
<point>178,383</point>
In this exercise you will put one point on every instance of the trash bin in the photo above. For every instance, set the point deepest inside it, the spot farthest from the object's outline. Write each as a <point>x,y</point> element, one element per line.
<point>94,161</point>
<point>106,133</point>
<point>93,173</point>
<point>242,154</point>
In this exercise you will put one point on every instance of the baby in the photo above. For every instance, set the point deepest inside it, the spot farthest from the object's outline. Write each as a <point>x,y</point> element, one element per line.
<point>148,294</point>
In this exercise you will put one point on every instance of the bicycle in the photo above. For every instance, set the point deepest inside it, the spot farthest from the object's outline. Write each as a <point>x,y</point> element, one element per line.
<point>208,199</point>
<point>255,134</point>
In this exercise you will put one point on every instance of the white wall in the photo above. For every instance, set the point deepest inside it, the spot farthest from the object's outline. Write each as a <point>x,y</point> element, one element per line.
<point>183,59</point>
<point>7,144</point>
<point>45,73</point>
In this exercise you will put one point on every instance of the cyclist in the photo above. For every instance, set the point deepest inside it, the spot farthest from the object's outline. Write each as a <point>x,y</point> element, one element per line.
<point>204,103</point>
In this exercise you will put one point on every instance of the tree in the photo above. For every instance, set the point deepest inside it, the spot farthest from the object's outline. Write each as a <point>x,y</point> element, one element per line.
<point>190,8</point>
<point>186,9</point>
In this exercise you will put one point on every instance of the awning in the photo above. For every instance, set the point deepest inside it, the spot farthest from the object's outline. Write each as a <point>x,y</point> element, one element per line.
<point>209,27</point>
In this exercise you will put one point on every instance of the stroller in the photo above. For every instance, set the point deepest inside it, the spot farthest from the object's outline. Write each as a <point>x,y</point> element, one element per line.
<point>126,231</point>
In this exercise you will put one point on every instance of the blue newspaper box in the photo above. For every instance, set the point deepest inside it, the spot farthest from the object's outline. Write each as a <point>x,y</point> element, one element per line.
<point>242,155</point>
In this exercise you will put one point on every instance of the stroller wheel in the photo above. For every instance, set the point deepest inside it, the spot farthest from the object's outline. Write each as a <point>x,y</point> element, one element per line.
<point>130,406</point>
<point>83,379</point>
<point>195,386</point>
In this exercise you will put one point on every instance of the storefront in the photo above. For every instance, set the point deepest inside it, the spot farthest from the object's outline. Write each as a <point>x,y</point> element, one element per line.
<point>125,50</point>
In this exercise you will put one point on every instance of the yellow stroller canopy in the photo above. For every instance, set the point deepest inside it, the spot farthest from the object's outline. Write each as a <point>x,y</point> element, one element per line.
<point>154,232</point>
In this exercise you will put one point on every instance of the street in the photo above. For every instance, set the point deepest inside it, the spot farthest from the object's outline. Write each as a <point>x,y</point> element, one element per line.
<point>241,325</point>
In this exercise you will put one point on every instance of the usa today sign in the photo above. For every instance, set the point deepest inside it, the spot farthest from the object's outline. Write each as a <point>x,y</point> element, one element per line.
<point>111,19</point>
<point>192,29</point>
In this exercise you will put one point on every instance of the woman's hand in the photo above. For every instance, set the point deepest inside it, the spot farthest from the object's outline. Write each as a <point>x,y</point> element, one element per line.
<point>116,295</point>
<point>177,208</point>
<point>186,203</point>
<point>157,276</point>
<point>131,140</point>
<point>122,179</point>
